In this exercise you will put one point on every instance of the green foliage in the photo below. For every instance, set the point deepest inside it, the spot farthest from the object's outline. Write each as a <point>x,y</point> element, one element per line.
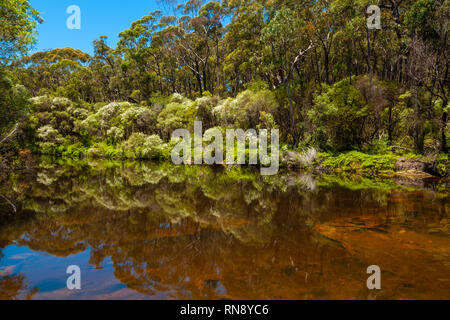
<point>13,103</point>
<point>442,164</point>
<point>355,161</point>
<point>248,110</point>
<point>338,114</point>
<point>309,69</point>
<point>140,146</point>
<point>17,34</point>
<point>102,150</point>
<point>179,113</point>
<point>49,138</point>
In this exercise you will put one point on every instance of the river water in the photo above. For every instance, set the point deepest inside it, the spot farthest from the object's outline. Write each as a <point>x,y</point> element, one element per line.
<point>159,231</point>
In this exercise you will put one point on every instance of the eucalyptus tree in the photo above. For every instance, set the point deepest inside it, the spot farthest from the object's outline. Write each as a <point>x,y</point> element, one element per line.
<point>141,58</point>
<point>285,44</point>
<point>428,24</point>
<point>242,45</point>
<point>18,32</point>
<point>18,20</point>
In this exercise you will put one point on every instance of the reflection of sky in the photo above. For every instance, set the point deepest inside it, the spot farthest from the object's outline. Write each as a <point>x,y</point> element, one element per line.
<point>48,274</point>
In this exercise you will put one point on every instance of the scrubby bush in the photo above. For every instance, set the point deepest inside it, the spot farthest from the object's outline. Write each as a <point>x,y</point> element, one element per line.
<point>442,164</point>
<point>13,103</point>
<point>338,115</point>
<point>102,150</point>
<point>248,110</point>
<point>114,135</point>
<point>141,146</point>
<point>204,110</point>
<point>135,141</point>
<point>152,148</point>
<point>49,138</point>
<point>356,161</point>
<point>179,113</point>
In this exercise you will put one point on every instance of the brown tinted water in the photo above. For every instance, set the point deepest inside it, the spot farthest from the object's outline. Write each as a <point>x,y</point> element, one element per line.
<point>150,231</point>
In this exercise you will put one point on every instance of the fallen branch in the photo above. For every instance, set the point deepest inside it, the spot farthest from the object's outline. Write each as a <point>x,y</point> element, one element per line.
<point>7,200</point>
<point>10,134</point>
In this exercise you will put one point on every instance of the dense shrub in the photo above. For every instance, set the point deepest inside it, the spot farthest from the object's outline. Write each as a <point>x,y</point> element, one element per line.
<point>178,113</point>
<point>246,110</point>
<point>338,114</point>
<point>49,139</point>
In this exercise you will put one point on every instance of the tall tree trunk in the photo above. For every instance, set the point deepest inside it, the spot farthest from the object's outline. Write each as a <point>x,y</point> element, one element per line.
<point>327,65</point>
<point>418,134</point>
<point>444,120</point>
<point>390,125</point>
<point>369,65</point>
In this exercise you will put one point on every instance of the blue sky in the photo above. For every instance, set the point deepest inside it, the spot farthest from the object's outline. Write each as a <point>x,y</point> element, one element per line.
<point>98,17</point>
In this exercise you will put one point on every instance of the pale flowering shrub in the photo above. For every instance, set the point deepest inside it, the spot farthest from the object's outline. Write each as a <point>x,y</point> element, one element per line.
<point>176,115</point>
<point>246,110</point>
<point>135,141</point>
<point>41,103</point>
<point>140,145</point>
<point>61,103</point>
<point>49,138</point>
<point>204,110</point>
<point>115,135</point>
<point>225,112</point>
<point>152,147</point>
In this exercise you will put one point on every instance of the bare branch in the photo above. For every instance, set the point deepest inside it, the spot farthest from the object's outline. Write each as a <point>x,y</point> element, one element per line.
<point>10,134</point>
<point>8,201</point>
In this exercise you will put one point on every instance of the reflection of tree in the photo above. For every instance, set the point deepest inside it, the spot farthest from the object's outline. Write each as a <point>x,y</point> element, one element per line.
<point>14,287</point>
<point>197,232</point>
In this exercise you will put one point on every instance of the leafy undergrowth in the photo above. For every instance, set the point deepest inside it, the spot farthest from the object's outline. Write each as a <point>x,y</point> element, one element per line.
<point>358,162</point>
<point>443,164</point>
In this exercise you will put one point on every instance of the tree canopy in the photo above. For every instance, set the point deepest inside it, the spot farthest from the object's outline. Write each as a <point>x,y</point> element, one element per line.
<point>335,83</point>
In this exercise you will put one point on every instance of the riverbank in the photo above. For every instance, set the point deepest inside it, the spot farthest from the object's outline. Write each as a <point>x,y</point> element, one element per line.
<point>383,165</point>
<point>410,168</point>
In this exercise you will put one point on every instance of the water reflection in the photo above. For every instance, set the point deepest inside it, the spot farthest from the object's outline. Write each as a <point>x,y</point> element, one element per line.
<point>171,232</point>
